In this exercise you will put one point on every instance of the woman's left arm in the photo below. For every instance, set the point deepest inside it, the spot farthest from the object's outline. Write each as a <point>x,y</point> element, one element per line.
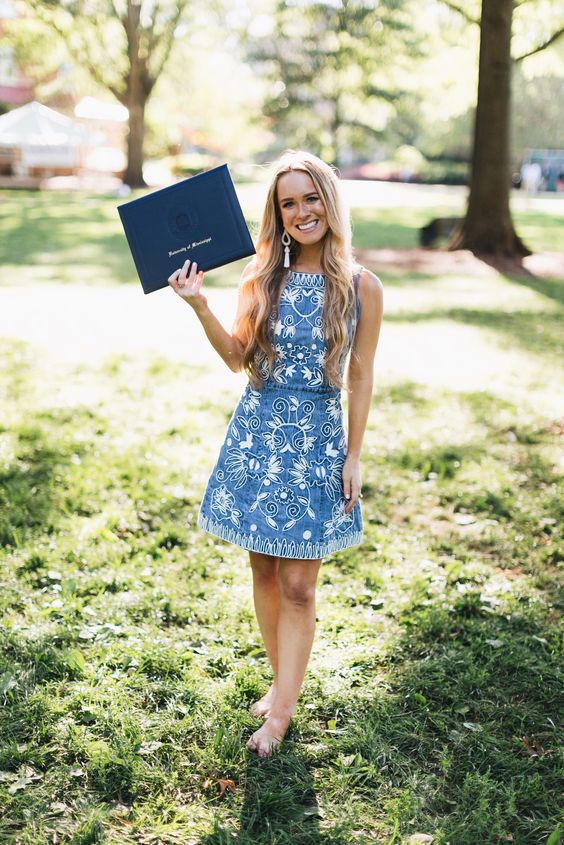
<point>360,379</point>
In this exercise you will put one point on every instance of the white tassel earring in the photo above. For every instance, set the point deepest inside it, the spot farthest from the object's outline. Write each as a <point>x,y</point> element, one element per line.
<point>286,241</point>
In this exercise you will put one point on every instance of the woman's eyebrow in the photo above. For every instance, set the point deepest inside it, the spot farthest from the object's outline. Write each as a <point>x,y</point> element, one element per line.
<point>307,194</point>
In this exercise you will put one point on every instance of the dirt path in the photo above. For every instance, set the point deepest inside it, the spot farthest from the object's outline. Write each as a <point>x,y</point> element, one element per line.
<point>547,265</point>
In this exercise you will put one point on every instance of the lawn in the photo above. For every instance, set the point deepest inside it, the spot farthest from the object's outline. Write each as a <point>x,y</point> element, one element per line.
<point>130,652</point>
<point>78,237</point>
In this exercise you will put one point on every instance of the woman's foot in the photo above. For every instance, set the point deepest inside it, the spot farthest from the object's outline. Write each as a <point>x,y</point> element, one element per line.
<point>267,739</point>
<point>262,707</point>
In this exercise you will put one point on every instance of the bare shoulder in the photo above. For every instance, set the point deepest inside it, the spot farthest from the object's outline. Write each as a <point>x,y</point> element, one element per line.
<point>371,289</point>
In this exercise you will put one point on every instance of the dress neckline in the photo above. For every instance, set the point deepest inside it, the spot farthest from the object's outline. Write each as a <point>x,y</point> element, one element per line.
<point>308,280</point>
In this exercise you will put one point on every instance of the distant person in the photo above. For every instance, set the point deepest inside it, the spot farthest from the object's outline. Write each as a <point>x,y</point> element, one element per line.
<point>560,182</point>
<point>531,176</point>
<point>287,482</point>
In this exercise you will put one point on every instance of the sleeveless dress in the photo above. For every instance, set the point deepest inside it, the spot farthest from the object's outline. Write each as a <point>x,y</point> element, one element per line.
<point>277,485</point>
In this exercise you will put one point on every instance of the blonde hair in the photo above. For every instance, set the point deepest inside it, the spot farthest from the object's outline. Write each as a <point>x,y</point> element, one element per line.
<point>263,286</point>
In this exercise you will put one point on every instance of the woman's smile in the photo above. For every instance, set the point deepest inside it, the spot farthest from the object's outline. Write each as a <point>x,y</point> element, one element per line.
<point>301,208</point>
<point>307,227</point>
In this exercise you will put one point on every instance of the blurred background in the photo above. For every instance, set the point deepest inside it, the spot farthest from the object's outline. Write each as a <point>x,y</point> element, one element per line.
<point>157,90</point>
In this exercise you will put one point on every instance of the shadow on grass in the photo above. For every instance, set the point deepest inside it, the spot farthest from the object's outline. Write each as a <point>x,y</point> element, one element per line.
<point>280,805</point>
<point>516,272</point>
<point>71,230</point>
<point>29,488</point>
<point>538,332</point>
<point>72,225</point>
<point>460,744</point>
<point>485,726</point>
<point>465,738</point>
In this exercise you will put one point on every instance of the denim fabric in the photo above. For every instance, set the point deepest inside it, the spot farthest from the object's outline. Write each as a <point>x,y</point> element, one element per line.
<point>277,485</point>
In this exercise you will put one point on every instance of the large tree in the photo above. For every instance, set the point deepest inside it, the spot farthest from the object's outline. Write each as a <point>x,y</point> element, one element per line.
<point>331,66</point>
<point>124,45</point>
<point>488,228</point>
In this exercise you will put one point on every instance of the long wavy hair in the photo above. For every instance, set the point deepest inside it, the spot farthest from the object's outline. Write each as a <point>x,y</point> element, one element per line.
<point>263,286</point>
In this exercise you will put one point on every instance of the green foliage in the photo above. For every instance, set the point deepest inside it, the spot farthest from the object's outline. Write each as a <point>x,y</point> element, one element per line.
<point>329,88</point>
<point>109,42</point>
<point>445,172</point>
<point>91,830</point>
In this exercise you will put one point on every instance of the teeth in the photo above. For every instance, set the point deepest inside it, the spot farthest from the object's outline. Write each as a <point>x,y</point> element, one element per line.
<point>306,226</point>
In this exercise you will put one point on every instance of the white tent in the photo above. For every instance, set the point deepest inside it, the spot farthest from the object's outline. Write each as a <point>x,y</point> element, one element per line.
<point>45,138</point>
<point>94,109</point>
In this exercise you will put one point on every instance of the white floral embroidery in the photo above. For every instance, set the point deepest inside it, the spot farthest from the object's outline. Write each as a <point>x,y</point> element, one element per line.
<point>340,520</point>
<point>285,446</point>
<point>333,406</point>
<point>292,295</point>
<point>250,400</point>
<point>298,354</point>
<point>223,502</point>
<point>288,327</point>
<point>299,473</point>
<point>313,378</point>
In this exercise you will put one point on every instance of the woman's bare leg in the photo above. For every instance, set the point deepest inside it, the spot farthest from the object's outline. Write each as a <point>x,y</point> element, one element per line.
<point>296,629</point>
<point>266,596</point>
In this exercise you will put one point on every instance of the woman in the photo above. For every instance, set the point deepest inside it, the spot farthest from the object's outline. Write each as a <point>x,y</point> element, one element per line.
<point>286,485</point>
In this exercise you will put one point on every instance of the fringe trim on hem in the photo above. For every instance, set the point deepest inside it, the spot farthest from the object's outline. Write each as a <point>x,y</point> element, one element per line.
<point>279,548</point>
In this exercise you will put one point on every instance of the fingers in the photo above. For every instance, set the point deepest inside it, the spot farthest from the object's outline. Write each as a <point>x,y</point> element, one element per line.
<point>186,279</point>
<point>351,491</point>
<point>187,273</point>
<point>352,500</point>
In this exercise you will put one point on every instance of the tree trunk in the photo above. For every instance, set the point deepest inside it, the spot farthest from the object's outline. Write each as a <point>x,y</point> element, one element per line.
<point>136,98</point>
<point>134,171</point>
<point>488,228</point>
<point>336,124</point>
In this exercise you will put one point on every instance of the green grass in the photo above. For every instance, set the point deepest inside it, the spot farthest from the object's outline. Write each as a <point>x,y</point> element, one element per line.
<point>131,654</point>
<point>77,237</point>
<point>70,238</point>
<point>129,648</point>
<point>398,228</point>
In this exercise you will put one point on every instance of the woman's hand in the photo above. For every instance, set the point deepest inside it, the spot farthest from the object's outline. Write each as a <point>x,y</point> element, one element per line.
<point>351,482</point>
<point>187,283</point>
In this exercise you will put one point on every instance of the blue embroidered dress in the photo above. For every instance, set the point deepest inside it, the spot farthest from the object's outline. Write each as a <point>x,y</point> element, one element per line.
<point>277,485</point>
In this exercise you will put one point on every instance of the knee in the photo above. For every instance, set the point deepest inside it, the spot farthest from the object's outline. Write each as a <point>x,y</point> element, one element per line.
<point>297,591</point>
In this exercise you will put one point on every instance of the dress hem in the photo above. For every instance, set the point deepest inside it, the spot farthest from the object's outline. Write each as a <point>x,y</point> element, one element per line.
<point>279,548</point>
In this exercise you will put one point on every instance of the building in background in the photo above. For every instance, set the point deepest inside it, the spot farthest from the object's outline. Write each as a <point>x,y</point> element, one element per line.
<point>15,88</point>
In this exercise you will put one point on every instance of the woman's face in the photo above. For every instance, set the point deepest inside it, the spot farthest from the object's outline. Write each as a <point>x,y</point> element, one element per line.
<point>302,211</point>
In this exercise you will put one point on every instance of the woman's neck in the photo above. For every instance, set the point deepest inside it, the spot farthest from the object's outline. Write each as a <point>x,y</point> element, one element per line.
<point>308,260</point>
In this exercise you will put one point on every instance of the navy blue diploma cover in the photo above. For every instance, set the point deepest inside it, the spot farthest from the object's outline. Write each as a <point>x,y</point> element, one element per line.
<point>199,218</point>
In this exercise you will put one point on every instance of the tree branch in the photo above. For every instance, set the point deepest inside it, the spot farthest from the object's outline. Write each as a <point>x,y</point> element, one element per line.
<point>454,7</point>
<point>164,42</point>
<point>554,37</point>
<point>79,54</point>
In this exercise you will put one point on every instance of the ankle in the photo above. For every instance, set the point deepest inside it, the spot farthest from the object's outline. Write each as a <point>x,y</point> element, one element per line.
<point>281,713</point>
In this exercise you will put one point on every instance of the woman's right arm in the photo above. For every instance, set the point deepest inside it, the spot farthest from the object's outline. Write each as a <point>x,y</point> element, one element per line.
<point>187,283</point>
